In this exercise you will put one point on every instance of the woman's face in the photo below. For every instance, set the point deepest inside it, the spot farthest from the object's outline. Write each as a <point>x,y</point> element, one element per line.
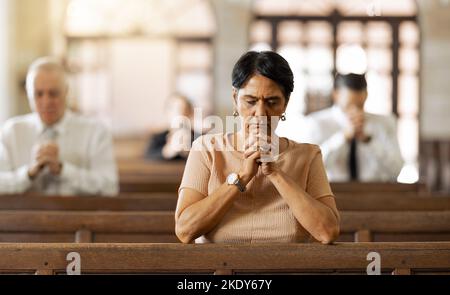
<point>259,97</point>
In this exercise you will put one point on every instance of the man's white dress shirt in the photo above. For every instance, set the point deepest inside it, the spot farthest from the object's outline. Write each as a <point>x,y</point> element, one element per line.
<point>85,150</point>
<point>378,160</point>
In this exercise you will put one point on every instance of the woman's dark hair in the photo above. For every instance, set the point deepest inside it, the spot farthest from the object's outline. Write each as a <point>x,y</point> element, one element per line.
<point>351,81</point>
<point>266,63</point>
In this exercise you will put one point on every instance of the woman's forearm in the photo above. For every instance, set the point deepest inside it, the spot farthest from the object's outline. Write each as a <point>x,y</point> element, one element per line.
<point>317,218</point>
<point>202,216</point>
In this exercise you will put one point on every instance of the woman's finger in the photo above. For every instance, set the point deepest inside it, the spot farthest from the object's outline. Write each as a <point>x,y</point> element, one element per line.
<point>248,152</point>
<point>251,141</point>
<point>252,154</point>
<point>262,144</point>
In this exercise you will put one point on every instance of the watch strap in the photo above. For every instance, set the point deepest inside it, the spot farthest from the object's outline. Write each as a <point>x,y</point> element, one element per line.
<point>240,186</point>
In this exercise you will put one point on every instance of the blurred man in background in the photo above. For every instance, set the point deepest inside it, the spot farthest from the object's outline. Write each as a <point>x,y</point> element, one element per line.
<point>52,150</point>
<point>356,145</point>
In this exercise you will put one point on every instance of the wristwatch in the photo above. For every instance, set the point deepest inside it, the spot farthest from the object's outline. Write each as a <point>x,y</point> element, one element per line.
<point>233,178</point>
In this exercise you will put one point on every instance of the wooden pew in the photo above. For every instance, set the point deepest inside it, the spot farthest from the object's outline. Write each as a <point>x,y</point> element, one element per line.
<point>149,184</point>
<point>143,175</point>
<point>167,202</point>
<point>87,226</point>
<point>350,258</point>
<point>395,226</point>
<point>145,167</point>
<point>130,202</point>
<point>170,183</point>
<point>132,147</point>
<point>392,202</point>
<point>152,227</point>
<point>150,176</point>
<point>138,174</point>
<point>377,187</point>
<point>141,171</point>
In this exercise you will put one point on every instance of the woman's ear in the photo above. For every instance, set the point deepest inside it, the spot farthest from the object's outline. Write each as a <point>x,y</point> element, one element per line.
<point>235,92</point>
<point>366,94</point>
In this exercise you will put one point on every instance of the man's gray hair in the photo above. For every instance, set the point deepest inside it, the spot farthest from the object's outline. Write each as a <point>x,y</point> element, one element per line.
<point>47,64</point>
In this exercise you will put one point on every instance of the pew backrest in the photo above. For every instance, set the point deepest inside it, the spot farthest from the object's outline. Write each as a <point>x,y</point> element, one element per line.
<point>167,202</point>
<point>395,258</point>
<point>158,226</point>
<point>124,202</point>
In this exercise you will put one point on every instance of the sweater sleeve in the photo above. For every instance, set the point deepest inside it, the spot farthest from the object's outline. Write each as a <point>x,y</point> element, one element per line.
<point>197,171</point>
<point>317,182</point>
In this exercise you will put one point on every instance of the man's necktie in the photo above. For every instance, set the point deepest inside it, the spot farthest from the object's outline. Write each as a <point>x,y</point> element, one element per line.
<point>49,134</point>
<point>50,184</point>
<point>352,160</point>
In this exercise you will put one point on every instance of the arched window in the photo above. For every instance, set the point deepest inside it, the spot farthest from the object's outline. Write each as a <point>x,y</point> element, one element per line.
<point>127,56</point>
<point>321,37</point>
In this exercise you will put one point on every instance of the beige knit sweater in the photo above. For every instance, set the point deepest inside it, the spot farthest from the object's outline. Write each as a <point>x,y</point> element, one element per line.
<point>260,214</point>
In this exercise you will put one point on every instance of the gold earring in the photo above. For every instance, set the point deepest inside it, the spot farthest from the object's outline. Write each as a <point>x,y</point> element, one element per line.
<point>283,117</point>
<point>235,113</point>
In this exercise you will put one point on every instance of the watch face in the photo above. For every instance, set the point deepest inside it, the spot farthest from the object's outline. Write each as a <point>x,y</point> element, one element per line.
<point>232,178</point>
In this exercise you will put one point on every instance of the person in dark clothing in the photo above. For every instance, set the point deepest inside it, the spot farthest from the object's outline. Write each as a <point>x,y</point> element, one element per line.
<point>174,143</point>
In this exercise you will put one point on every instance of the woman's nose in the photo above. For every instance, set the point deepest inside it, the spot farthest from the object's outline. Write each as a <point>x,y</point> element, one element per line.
<point>261,109</point>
